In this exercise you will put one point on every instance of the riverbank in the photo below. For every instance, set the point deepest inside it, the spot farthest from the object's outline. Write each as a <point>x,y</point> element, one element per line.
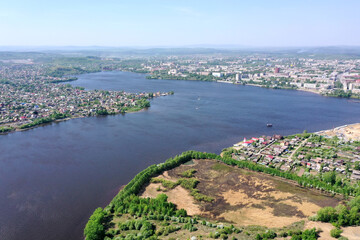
<point>256,85</point>
<point>284,88</point>
<point>342,94</point>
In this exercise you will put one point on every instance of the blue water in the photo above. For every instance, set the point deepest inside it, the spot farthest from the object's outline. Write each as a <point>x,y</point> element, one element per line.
<point>53,177</point>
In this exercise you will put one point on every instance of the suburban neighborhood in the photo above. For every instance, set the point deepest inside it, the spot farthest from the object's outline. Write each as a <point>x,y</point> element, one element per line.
<point>302,154</point>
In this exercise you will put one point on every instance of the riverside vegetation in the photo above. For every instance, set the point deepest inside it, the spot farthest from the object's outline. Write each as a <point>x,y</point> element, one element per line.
<point>129,216</point>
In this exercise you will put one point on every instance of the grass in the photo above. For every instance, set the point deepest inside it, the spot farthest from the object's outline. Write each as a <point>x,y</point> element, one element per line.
<point>188,173</point>
<point>188,183</point>
<point>201,197</point>
<point>165,183</point>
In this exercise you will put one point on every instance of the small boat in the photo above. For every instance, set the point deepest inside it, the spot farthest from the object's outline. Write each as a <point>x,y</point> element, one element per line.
<point>269,124</point>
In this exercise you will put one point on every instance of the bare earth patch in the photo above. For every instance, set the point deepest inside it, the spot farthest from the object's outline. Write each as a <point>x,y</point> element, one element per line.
<point>352,233</point>
<point>307,208</point>
<point>238,198</point>
<point>255,216</point>
<point>179,196</point>
<point>325,227</point>
<point>301,172</point>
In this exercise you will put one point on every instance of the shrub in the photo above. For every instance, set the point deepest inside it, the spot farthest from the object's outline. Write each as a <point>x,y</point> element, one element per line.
<point>336,232</point>
<point>188,173</point>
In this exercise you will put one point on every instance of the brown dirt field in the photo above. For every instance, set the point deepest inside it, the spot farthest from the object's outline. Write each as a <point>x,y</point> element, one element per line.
<point>179,196</point>
<point>238,198</point>
<point>243,197</point>
<point>255,216</point>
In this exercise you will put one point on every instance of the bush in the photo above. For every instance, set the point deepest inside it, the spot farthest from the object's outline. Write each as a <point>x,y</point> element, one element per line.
<point>336,232</point>
<point>188,173</point>
<point>327,214</point>
<point>309,234</point>
<point>269,234</point>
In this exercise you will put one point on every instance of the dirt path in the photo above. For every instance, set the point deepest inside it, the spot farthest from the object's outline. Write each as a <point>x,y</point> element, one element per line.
<point>266,147</point>
<point>301,144</point>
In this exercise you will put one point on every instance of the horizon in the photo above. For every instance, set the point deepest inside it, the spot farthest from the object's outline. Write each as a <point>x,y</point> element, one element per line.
<point>179,24</point>
<point>153,47</point>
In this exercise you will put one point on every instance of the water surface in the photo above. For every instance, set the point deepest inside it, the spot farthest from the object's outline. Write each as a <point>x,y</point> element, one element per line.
<point>53,177</point>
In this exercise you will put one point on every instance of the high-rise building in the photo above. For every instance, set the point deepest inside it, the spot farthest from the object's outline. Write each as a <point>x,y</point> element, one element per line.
<point>276,70</point>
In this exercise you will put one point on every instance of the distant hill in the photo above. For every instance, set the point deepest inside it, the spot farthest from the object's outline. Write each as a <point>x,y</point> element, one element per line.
<point>100,51</point>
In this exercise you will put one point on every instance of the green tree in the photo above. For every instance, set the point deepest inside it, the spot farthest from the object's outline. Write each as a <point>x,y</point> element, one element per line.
<point>329,177</point>
<point>94,229</point>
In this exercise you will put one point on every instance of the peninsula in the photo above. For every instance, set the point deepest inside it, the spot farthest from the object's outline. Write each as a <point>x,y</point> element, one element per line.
<point>303,186</point>
<point>32,94</point>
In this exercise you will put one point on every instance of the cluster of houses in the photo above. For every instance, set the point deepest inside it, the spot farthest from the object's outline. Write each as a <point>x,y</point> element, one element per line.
<point>320,75</point>
<point>19,106</point>
<point>263,150</point>
<point>284,153</point>
<point>26,97</point>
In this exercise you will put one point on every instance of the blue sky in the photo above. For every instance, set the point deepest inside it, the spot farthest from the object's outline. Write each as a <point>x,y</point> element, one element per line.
<point>255,23</point>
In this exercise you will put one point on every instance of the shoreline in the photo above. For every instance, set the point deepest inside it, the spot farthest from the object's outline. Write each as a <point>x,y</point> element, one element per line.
<point>223,81</point>
<point>17,129</point>
<point>347,132</point>
<point>303,90</point>
<point>280,88</point>
<point>66,119</point>
<point>261,86</point>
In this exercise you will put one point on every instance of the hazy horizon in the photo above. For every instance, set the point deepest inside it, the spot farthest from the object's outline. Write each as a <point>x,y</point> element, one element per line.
<point>161,23</point>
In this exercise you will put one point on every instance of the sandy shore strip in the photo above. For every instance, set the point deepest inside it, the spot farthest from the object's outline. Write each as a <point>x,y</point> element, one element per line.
<point>349,132</point>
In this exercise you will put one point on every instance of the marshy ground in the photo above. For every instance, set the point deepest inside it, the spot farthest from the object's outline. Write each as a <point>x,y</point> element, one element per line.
<point>242,197</point>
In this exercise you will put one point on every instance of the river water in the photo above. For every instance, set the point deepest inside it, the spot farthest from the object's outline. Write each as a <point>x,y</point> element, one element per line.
<point>53,177</point>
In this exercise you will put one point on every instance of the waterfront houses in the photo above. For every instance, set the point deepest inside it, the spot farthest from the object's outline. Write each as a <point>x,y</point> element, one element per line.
<point>302,154</point>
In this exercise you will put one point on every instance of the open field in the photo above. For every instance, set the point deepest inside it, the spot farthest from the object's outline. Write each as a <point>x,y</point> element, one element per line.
<point>241,197</point>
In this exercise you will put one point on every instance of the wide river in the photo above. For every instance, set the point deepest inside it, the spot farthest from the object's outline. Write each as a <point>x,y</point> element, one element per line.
<point>53,177</point>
